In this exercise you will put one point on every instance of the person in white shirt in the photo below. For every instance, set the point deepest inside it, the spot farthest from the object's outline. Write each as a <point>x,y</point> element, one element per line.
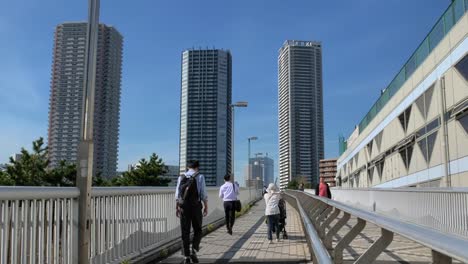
<point>272,211</point>
<point>228,192</point>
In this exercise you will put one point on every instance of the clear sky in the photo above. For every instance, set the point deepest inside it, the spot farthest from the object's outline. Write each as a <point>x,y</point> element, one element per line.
<point>365,42</point>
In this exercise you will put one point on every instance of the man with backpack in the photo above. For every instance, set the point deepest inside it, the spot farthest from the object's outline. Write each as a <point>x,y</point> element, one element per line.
<point>190,194</point>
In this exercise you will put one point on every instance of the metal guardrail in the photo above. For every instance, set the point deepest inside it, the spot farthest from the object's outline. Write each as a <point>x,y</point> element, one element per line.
<point>443,209</point>
<point>40,225</point>
<point>322,212</point>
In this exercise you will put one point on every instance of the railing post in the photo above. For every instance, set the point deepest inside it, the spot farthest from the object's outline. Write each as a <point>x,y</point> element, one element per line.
<point>346,240</point>
<point>322,216</point>
<point>376,248</point>
<point>329,237</point>
<point>327,222</point>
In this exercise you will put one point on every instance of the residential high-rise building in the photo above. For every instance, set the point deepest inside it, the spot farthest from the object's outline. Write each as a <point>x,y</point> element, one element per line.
<point>263,168</point>
<point>66,96</point>
<point>300,111</point>
<point>205,116</point>
<point>328,171</point>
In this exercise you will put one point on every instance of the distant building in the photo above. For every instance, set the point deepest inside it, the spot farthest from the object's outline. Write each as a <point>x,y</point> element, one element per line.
<point>205,116</point>
<point>300,105</point>
<point>66,96</point>
<point>263,168</point>
<point>17,156</point>
<point>328,171</point>
<point>3,167</point>
<point>172,173</point>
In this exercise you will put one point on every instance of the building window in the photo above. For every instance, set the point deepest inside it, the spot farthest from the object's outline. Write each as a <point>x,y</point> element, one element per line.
<point>404,118</point>
<point>369,147</point>
<point>464,122</point>
<point>406,154</point>
<point>462,67</point>
<point>424,101</point>
<point>426,145</point>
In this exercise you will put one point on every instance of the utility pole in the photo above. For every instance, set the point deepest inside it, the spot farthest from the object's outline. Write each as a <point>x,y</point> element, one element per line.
<point>85,164</point>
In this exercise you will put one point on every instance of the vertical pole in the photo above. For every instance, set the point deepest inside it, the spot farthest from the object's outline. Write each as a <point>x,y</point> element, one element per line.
<point>248,170</point>
<point>86,147</point>
<point>231,108</point>
<point>445,146</point>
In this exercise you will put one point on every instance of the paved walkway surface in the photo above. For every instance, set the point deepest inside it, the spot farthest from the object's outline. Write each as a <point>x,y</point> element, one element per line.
<point>249,243</point>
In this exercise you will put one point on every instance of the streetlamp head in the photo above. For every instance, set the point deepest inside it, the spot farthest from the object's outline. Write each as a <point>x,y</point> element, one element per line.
<point>253,138</point>
<point>240,104</point>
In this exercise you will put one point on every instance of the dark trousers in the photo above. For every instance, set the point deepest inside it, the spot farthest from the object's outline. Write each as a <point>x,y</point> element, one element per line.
<point>273,221</point>
<point>230,214</point>
<point>191,216</point>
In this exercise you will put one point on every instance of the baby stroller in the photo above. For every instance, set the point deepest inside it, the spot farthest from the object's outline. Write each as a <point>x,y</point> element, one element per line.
<point>282,220</point>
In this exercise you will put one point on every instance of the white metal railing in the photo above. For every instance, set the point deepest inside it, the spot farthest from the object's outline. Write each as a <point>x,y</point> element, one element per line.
<point>323,212</point>
<point>444,209</point>
<point>40,224</point>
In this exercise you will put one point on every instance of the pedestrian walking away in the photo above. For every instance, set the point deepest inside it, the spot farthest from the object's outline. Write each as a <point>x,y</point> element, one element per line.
<point>190,195</point>
<point>229,192</point>
<point>272,211</point>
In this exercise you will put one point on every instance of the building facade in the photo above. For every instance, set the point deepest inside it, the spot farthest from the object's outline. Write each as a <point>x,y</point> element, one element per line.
<point>328,171</point>
<point>173,173</point>
<point>262,168</point>
<point>416,134</point>
<point>66,96</point>
<point>205,116</point>
<point>300,111</point>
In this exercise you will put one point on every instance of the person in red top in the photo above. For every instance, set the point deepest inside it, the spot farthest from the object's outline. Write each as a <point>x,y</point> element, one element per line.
<point>322,189</point>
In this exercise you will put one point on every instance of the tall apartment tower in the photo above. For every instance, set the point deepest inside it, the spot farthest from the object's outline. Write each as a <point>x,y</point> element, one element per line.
<point>300,111</point>
<point>263,168</point>
<point>66,96</point>
<point>205,116</point>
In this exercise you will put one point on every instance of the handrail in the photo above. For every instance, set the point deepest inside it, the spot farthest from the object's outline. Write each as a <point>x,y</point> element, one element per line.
<point>320,252</point>
<point>409,189</point>
<point>37,193</point>
<point>449,245</point>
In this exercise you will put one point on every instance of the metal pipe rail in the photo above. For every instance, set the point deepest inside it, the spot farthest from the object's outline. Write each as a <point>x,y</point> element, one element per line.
<point>319,251</point>
<point>323,211</point>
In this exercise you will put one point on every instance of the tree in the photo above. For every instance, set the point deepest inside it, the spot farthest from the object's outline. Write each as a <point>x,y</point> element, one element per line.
<point>63,175</point>
<point>31,168</point>
<point>293,184</point>
<point>5,179</point>
<point>147,173</point>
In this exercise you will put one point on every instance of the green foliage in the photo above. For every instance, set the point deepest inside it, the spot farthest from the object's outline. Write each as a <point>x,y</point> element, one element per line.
<point>31,169</point>
<point>63,175</point>
<point>147,173</point>
<point>5,179</point>
<point>125,262</point>
<point>293,185</point>
<point>210,227</point>
<point>164,253</point>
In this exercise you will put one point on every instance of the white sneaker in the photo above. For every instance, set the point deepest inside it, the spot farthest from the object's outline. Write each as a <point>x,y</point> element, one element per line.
<point>277,240</point>
<point>270,241</point>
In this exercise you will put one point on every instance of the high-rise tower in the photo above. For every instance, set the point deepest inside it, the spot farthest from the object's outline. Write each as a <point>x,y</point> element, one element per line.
<point>205,116</point>
<point>66,96</point>
<point>300,111</point>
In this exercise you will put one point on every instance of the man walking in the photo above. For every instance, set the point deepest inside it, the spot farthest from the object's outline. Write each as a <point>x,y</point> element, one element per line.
<point>228,192</point>
<point>190,194</point>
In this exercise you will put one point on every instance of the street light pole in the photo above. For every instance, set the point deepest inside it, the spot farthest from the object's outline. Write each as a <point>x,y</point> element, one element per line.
<point>231,108</point>
<point>249,169</point>
<point>86,147</point>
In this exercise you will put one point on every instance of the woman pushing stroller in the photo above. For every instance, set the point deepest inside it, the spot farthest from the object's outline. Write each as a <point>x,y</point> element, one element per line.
<point>272,211</point>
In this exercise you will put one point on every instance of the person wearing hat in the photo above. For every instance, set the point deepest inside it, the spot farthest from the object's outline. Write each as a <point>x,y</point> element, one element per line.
<point>272,211</point>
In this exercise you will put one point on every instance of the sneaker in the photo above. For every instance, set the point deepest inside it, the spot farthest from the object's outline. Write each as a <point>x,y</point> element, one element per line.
<point>230,232</point>
<point>194,257</point>
<point>187,261</point>
<point>270,241</point>
<point>277,240</point>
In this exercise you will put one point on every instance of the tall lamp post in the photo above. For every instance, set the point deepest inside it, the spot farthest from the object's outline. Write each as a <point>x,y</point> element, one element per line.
<point>86,147</point>
<point>231,108</point>
<point>249,169</point>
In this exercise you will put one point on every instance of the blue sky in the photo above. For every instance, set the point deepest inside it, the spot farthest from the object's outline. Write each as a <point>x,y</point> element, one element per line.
<point>365,42</point>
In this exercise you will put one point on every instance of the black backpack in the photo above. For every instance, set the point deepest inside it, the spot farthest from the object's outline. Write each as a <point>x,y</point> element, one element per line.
<point>184,187</point>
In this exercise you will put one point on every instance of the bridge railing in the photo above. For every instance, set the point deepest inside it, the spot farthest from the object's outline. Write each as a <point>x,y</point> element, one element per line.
<point>322,212</point>
<point>40,225</point>
<point>444,209</point>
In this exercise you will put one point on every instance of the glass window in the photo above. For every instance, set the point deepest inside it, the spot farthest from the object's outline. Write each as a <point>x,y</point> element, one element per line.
<point>432,125</point>
<point>423,147</point>
<point>464,122</point>
<point>462,67</point>
<point>411,65</point>
<point>430,144</point>
<point>406,154</point>
<point>422,52</point>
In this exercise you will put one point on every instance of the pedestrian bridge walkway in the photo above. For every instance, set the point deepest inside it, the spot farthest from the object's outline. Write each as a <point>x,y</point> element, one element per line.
<point>249,243</point>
